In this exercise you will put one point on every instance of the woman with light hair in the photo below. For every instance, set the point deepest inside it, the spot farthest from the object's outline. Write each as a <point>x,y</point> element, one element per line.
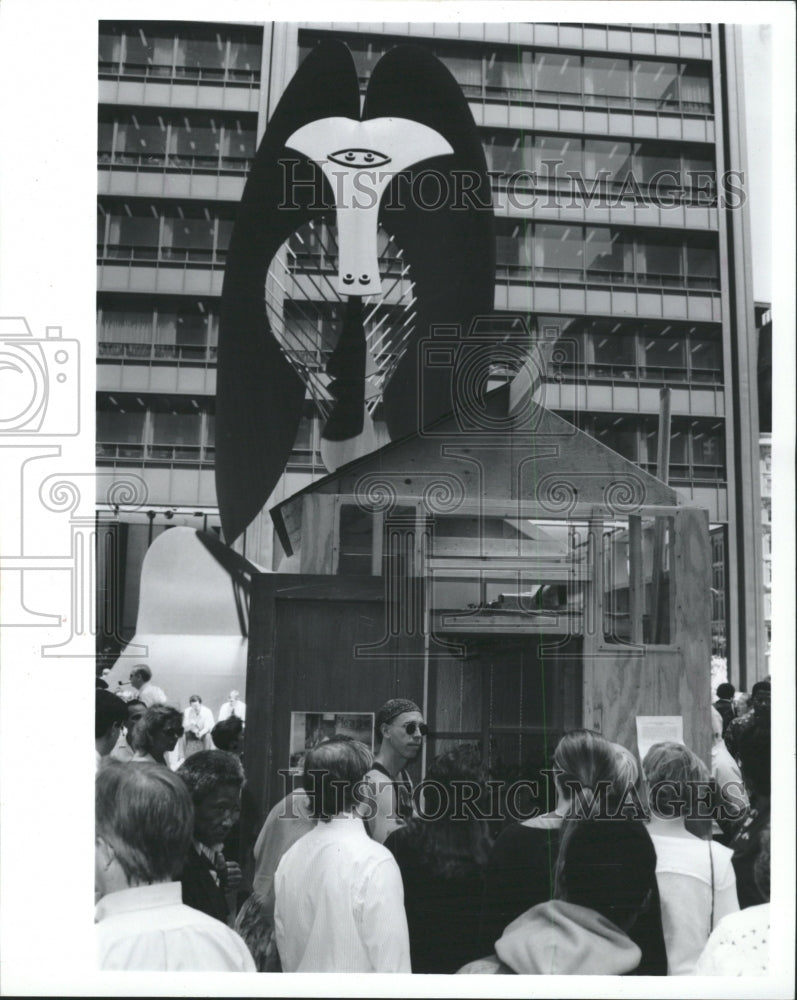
<point>591,775</point>
<point>156,735</point>
<point>695,877</point>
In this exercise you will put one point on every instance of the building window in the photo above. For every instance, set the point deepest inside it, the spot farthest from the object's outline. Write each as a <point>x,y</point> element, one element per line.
<point>609,254</point>
<point>655,84</point>
<point>554,156</point>
<point>705,358</point>
<point>606,254</point>
<point>606,81</point>
<point>697,450</point>
<point>155,50</point>
<point>507,152</point>
<point>513,248</point>
<point>659,259</point>
<point>155,429</point>
<point>664,358</point>
<point>558,75</point>
<point>171,234</point>
<point>697,447</point>
<point>621,434</point>
<point>179,142</point>
<point>559,252</point>
<point>511,73</point>
<point>177,432</point>
<point>140,328</point>
<point>654,351</point>
<point>609,158</point>
<point>120,427</point>
<point>610,355</point>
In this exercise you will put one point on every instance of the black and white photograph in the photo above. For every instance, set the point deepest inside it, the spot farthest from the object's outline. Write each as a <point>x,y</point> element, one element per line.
<point>310,728</point>
<point>405,459</point>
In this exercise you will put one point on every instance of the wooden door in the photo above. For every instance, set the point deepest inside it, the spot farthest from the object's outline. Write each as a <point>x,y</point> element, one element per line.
<point>514,696</point>
<point>319,644</point>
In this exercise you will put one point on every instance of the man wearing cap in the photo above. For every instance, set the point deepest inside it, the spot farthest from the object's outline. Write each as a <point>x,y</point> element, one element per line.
<point>401,729</point>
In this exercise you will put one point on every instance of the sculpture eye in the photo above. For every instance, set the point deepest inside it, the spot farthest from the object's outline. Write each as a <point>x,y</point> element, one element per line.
<point>359,158</point>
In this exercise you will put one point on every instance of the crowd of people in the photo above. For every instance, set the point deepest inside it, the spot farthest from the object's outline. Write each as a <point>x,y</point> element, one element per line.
<point>656,870</point>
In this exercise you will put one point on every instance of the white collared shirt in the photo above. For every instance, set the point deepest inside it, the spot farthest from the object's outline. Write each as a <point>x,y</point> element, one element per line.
<point>151,695</point>
<point>148,928</point>
<point>340,903</point>
<point>229,708</point>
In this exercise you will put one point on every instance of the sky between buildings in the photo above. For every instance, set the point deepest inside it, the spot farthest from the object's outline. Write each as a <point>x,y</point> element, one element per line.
<point>757,55</point>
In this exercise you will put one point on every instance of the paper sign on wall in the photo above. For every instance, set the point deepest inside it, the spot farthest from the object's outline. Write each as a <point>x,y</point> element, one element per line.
<point>652,729</point>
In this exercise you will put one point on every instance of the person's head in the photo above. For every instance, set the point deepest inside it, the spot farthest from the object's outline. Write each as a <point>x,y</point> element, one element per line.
<point>400,726</point>
<point>671,771</point>
<point>233,696</point>
<point>143,822</point>
<point>135,710</point>
<point>194,701</point>
<point>333,771</point>
<point>608,866</point>
<point>716,724</point>
<point>761,700</point>
<point>158,731</point>
<point>753,751</point>
<point>229,735</point>
<point>742,703</point>
<point>110,713</point>
<point>214,780</point>
<point>726,691</point>
<point>140,675</point>
<point>585,761</point>
<point>450,835</point>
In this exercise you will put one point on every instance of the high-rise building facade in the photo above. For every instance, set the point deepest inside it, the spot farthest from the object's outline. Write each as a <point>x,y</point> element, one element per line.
<point>615,154</point>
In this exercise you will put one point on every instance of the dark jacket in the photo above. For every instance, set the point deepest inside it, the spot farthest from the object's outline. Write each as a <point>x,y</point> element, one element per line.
<point>725,708</point>
<point>200,889</point>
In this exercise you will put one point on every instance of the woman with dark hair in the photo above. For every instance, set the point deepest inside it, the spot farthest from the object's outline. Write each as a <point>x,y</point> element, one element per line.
<point>605,882</point>
<point>156,735</point>
<point>695,876</point>
<point>442,853</point>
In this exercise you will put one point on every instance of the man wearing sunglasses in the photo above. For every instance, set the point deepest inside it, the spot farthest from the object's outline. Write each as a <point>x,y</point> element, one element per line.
<point>401,729</point>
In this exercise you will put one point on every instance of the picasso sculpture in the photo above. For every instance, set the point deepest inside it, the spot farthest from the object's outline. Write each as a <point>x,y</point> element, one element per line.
<point>382,217</point>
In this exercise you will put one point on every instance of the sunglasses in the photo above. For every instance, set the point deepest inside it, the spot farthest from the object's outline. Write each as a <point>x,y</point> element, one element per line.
<point>410,727</point>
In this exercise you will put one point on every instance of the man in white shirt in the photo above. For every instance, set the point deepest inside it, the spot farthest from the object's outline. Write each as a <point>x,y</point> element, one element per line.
<point>143,824</point>
<point>149,693</point>
<point>233,706</point>
<point>339,895</point>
